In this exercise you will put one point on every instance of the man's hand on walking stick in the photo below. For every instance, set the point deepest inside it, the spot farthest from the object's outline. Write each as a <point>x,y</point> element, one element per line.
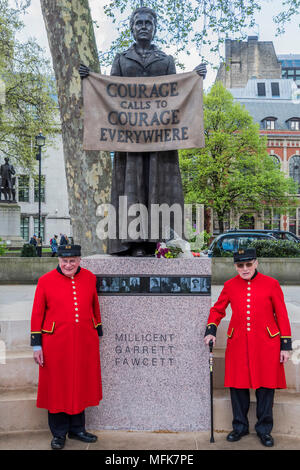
<point>209,338</point>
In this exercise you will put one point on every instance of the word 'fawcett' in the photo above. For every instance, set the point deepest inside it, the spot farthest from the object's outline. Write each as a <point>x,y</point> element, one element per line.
<point>134,114</point>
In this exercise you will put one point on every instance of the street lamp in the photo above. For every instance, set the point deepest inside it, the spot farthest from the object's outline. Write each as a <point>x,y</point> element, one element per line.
<point>40,142</point>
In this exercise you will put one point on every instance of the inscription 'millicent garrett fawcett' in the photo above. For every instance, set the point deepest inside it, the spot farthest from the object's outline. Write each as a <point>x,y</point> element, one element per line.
<point>145,349</point>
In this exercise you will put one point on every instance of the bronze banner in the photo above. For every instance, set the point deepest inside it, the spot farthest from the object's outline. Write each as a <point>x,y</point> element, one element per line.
<point>133,114</point>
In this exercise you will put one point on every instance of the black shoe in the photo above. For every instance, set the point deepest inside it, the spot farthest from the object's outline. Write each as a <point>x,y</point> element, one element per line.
<point>234,436</point>
<point>266,439</point>
<point>83,436</point>
<point>58,443</point>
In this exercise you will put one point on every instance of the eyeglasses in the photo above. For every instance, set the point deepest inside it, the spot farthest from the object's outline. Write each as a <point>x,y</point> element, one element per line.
<point>248,264</point>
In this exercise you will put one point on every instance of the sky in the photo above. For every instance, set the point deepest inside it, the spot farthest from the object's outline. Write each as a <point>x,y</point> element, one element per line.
<point>288,43</point>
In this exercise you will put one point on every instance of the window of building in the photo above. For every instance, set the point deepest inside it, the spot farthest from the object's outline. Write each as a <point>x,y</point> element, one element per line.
<point>24,228</point>
<point>36,227</point>
<point>271,219</point>
<point>269,123</point>
<point>294,124</point>
<point>275,89</point>
<point>36,188</point>
<point>247,221</point>
<point>261,89</point>
<point>216,229</point>
<point>276,160</point>
<point>293,222</point>
<point>23,188</point>
<point>294,169</point>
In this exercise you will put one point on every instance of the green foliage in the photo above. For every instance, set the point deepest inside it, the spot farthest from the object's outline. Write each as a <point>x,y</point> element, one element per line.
<point>2,247</point>
<point>28,251</point>
<point>234,170</point>
<point>27,91</point>
<point>276,249</point>
<point>184,24</point>
<point>205,237</point>
<point>291,8</point>
<point>194,23</point>
<point>219,253</point>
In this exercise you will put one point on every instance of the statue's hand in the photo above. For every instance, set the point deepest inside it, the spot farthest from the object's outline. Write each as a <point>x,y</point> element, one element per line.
<point>84,71</point>
<point>201,70</point>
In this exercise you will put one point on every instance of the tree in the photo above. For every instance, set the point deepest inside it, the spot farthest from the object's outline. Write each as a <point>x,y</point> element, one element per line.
<point>72,41</point>
<point>234,170</point>
<point>199,23</point>
<point>27,101</point>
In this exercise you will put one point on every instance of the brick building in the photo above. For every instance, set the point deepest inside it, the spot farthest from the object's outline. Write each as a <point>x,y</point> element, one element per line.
<point>262,82</point>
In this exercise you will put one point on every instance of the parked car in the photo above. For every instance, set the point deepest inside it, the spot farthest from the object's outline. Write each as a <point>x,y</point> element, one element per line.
<point>236,240</point>
<point>279,234</point>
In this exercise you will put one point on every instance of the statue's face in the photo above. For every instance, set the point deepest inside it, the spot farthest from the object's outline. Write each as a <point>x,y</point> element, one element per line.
<point>143,27</point>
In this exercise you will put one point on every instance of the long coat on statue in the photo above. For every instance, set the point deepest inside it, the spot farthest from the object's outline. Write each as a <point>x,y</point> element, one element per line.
<point>149,177</point>
<point>66,322</point>
<point>258,329</point>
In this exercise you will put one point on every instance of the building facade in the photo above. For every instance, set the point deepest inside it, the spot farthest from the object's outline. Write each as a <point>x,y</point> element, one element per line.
<point>266,86</point>
<point>55,217</point>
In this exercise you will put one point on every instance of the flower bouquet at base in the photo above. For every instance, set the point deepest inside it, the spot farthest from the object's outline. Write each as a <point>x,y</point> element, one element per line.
<point>164,251</point>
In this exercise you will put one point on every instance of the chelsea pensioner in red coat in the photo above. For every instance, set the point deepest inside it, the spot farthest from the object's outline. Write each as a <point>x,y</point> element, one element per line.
<point>66,322</point>
<point>258,330</point>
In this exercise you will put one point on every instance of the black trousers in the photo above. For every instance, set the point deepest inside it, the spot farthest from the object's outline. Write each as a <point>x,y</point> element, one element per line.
<point>240,401</point>
<point>61,423</point>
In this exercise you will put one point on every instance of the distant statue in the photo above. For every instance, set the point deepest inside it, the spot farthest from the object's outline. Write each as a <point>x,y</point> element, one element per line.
<point>7,181</point>
<point>146,177</point>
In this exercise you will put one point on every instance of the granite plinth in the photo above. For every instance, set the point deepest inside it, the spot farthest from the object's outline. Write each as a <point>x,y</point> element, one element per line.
<point>10,221</point>
<point>154,363</point>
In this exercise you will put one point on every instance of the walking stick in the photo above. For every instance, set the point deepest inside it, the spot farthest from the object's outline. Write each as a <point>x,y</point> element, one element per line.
<point>211,391</point>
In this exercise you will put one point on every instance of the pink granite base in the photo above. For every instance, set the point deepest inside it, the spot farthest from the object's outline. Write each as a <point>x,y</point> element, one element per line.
<point>155,372</point>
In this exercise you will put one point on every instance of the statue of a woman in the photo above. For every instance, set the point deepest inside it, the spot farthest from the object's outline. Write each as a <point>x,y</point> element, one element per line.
<point>147,177</point>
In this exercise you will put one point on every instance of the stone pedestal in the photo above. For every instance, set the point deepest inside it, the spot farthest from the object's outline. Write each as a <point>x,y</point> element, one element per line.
<point>155,371</point>
<point>10,221</point>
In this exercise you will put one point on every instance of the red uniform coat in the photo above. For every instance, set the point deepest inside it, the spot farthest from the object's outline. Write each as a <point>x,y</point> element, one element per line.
<point>258,324</point>
<point>66,312</point>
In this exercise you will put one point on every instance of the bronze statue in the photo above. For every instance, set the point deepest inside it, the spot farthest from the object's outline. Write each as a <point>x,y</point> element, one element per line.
<point>7,181</point>
<point>145,178</point>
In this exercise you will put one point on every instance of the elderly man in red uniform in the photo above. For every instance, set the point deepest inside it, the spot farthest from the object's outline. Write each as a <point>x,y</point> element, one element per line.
<point>258,343</point>
<point>65,330</point>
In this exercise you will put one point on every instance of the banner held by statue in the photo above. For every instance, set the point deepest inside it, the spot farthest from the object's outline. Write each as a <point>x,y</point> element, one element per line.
<point>137,114</point>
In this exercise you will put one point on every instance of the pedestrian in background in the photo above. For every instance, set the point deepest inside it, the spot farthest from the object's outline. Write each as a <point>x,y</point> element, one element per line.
<point>54,246</point>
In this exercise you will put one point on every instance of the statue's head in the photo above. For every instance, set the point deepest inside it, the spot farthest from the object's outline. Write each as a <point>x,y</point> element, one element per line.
<point>6,159</point>
<point>141,15</point>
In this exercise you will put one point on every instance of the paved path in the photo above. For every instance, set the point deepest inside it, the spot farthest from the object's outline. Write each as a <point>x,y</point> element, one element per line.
<point>132,440</point>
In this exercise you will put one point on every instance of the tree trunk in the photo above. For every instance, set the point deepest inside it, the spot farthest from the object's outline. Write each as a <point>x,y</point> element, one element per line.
<point>72,41</point>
